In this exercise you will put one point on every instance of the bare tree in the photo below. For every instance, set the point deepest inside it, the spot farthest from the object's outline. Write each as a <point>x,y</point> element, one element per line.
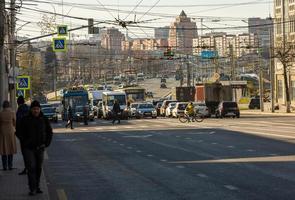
<point>286,54</point>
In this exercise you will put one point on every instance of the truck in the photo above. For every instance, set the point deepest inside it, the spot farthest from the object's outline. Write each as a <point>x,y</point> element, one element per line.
<point>212,94</point>
<point>108,99</point>
<point>184,94</point>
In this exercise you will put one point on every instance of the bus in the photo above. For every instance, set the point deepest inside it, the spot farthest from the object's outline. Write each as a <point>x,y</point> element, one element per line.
<point>73,97</point>
<point>108,98</point>
<point>134,94</point>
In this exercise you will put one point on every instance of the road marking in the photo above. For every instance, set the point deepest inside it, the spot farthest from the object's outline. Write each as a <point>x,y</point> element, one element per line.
<point>212,132</point>
<point>188,138</point>
<point>129,147</point>
<point>122,144</point>
<point>214,143</point>
<point>180,166</point>
<point>231,147</point>
<point>138,151</point>
<point>250,150</point>
<point>200,141</point>
<point>137,136</point>
<point>230,187</point>
<point>61,194</point>
<point>149,155</point>
<point>163,160</point>
<point>177,136</point>
<point>202,175</point>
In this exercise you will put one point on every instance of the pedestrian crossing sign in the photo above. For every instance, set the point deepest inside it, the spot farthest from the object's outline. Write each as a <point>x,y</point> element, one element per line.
<point>20,93</point>
<point>23,83</point>
<point>62,30</point>
<point>59,44</point>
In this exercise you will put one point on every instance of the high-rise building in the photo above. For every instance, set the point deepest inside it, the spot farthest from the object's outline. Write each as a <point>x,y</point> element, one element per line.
<point>263,29</point>
<point>162,32</point>
<point>181,34</point>
<point>111,39</point>
<point>284,32</point>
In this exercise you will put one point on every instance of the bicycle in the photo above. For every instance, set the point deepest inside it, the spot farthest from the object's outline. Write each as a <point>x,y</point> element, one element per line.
<point>185,118</point>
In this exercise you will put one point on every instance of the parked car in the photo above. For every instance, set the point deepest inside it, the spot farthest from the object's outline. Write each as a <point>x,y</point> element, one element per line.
<point>79,114</point>
<point>254,103</point>
<point>164,106</point>
<point>133,109</point>
<point>179,109</point>
<point>170,107</point>
<point>146,110</point>
<point>50,113</point>
<point>202,109</point>
<point>163,80</point>
<point>227,108</point>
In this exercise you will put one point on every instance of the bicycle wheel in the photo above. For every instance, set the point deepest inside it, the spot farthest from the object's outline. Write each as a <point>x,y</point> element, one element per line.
<point>183,118</point>
<point>199,118</point>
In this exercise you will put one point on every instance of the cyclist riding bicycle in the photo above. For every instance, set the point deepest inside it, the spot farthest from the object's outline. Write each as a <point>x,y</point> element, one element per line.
<point>190,109</point>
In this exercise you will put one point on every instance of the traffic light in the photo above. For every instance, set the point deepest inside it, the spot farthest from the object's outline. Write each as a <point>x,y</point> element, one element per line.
<point>90,26</point>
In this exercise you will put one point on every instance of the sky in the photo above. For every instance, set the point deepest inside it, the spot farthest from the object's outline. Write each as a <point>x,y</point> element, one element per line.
<point>158,13</point>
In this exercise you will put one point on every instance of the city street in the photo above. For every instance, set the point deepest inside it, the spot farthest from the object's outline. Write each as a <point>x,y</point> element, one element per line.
<point>248,158</point>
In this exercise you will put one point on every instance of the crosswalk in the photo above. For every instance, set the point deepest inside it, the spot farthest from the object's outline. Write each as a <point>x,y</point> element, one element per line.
<point>274,128</point>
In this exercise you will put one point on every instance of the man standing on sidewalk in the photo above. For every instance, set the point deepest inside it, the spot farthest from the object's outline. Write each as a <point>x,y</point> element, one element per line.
<point>22,111</point>
<point>36,134</point>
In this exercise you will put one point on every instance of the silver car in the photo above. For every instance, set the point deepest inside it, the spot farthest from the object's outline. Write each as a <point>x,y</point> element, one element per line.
<point>146,110</point>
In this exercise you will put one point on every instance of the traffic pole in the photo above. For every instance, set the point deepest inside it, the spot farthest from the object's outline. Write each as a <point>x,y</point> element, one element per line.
<point>12,55</point>
<point>2,63</point>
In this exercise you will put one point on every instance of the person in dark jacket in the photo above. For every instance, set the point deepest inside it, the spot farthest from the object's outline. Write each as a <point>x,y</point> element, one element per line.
<point>116,112</point>
<point>22,111</point>
<point>70,117</point>
<point>36,134</point>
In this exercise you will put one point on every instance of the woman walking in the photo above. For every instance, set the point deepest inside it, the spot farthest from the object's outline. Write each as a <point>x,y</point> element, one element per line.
<point>7,136</point>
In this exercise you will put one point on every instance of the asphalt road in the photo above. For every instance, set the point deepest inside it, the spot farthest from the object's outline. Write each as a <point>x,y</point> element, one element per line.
<point>248,158</point>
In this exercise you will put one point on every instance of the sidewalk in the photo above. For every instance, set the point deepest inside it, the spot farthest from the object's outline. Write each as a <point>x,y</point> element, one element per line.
<point>268,112</point>
<point>15,187</point>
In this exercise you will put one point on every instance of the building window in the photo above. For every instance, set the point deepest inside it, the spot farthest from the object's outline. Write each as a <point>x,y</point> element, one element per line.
<point>293,90</point>
<point>280,89</point>
<point>278,2</point>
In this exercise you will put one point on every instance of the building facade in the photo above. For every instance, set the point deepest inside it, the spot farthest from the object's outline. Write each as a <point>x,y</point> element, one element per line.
<point>226,44</point>
<point>111,39</point>
<point>284,33</point>
<point>181,34</point>
<point>162,33</point>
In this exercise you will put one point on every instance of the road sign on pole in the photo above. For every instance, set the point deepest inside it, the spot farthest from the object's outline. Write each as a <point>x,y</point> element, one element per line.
<point>62,30</point>
<point>20,93</point>
<point>59,44</point>
<point>209,54</point>
<point>23,83</point>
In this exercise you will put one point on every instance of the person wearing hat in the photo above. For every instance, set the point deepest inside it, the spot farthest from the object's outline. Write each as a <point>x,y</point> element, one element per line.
<point>22,111</point>
<point>35,133</point>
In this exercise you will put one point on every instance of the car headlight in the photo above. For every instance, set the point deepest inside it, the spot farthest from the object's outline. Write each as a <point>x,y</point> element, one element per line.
<point>140,111</point>
<point>154,112</point>
<point>78,115</point>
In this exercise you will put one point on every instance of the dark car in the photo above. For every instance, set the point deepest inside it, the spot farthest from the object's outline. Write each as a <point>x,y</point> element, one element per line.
<point>50,113</point>
<point>163,80</point>
<point>254,103</point>
<point>227,108</point>
<point>163,85</point>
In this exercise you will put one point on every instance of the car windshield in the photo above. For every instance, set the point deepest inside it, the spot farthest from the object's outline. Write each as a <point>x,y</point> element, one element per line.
<point>48,110</point>
<point>145,106</point>
<point>134,105</point>
<point>229,104</point>
<point>172,104</point>
<point>120,98</point>
<point>79,109</point>
<point>256,101</point>
<point>182,106</point>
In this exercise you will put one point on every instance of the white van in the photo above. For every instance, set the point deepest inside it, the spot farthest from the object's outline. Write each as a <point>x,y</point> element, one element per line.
<point>108,98</point>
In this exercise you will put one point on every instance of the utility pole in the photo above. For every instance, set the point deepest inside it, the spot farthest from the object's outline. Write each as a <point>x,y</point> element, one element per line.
<point>272,71</point>
<point>2,64</point>
<point>12,54</point>
<point>261,88</point>
<point>233,68</point>
<point>188,71</point>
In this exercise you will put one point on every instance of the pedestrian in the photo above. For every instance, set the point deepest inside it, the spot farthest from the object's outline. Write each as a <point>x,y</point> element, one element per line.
<point>85,114</point>
<point>36,134</point>
<point>116,112</point>
<point>7,136</point>
<point>22,111</point>
<point>70,117</point>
